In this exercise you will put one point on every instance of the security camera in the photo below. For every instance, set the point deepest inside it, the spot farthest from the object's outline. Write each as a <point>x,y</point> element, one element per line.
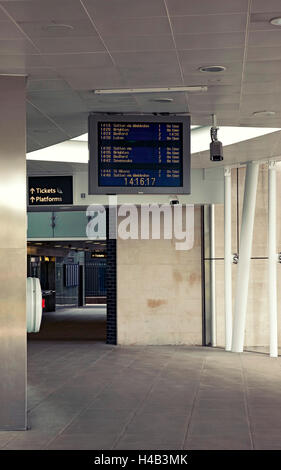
<point>216,150</point>
<point>174,201</point>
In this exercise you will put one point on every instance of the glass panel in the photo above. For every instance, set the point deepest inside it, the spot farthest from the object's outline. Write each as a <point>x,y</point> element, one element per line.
<point>39,225</point>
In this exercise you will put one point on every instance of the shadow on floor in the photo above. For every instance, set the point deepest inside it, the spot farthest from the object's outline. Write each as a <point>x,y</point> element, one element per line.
<point>84,323</point>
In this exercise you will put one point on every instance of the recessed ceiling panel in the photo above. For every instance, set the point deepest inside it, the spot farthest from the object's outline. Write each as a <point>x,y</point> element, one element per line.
<point>203,7</point>
<point>209,23</point>
<point>127,8</point>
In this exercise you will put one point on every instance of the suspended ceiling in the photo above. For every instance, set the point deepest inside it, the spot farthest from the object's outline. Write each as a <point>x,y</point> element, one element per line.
<point>147,43</point>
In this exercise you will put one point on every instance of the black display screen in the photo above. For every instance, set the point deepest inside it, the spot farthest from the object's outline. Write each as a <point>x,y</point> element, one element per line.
<point>140,154</point>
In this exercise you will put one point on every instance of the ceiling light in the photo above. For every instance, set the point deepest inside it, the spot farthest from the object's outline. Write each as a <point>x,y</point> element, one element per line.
<point>213,68</point>
<point>264,113</point>
<point>58,27</point>
<point>276,21</point>
<point>121,91</point>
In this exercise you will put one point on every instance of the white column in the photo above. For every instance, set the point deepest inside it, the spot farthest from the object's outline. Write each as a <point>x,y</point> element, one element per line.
<point>272,260</point>
<point>243,272</point>
<point>213,277</point>
<point>12,254</point>
<point>227,260</point>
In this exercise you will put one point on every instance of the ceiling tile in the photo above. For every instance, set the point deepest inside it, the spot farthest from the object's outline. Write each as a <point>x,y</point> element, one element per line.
<point>52,10</point>
<point>89,78</point>
<point>10,62</point>
<point>265,38</point>
<point>262,87</point>
<point>164,108</point>
<point>68,45</point>
<point>143,59</point>
<point>46,85</point>
<point>16,46</point>
<point>139,43</point>
<point>41,73</point>
<point>209,23</point>
<point>262,6</point>
<point>226,79</point>
<point>133,27</point>
<point>96,59</point>
<point>159,76</point>
<point>204,7</point>
<point>57,102</point>
<point>266,68</point>
<point>126,8</point>
<point>214,107</point>
<point>8,30</point>
<point>205,99</point>
<point>209,41</point>
<point>263,54</point>
<point>264,101</point>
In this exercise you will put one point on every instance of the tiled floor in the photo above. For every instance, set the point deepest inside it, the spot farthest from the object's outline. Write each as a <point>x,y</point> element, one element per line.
<point>88,395</point>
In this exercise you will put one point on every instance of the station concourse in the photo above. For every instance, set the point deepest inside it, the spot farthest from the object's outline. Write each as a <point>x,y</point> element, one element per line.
<point>146,342</point>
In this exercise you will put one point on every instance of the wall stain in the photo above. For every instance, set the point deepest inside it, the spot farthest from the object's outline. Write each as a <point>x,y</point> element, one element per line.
<point>193,279</point>
<point>177,276</point>
<point>153,303</point>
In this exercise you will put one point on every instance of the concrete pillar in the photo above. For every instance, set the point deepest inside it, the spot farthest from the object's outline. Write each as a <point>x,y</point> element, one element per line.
<point>213,277</point>
<point>227,260</point>
<point>246,238</point>
<point>272,260</point>
<point>12,253</point>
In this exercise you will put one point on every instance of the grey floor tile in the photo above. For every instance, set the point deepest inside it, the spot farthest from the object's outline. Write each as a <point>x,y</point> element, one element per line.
<point>218,443</point>
<point>102,421</point>
<point>83,442</point>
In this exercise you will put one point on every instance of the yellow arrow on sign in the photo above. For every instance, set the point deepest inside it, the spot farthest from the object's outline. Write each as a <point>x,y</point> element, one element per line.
<point>32,190</point>
<point>32,199</point>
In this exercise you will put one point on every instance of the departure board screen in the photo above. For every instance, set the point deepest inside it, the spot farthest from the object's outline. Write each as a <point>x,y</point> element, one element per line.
<point>139,154</point>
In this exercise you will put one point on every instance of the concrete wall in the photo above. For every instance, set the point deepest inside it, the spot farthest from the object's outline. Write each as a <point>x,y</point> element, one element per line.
<point>159,291</point>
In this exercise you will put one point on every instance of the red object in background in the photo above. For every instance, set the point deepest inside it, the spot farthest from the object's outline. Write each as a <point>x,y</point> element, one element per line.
<point>43,303</point>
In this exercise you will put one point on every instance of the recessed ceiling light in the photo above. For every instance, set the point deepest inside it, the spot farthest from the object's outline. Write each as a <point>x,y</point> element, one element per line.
<point>58,27</point>
<point>121,91</point>
<point>276,21</point>
<point>162,100</point>
<point>212,68</point>
<point>264,113</point>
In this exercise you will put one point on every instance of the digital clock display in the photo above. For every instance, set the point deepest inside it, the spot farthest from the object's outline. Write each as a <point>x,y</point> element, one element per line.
<point>140,154</point>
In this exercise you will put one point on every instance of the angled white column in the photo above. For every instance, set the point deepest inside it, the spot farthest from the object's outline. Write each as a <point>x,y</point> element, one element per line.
<point>213,277</point>
<point>227,260</point>
<point>12,254</point>
<point>243,272</point>
<point>272,260</point>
